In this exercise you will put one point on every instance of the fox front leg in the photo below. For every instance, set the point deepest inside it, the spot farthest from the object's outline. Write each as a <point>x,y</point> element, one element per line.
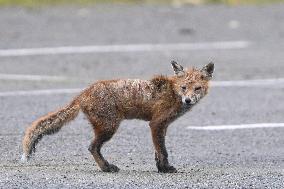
<point>158,131</point>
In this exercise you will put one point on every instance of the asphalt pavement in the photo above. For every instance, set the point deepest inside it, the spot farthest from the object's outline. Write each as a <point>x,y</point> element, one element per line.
<point>236,158</point>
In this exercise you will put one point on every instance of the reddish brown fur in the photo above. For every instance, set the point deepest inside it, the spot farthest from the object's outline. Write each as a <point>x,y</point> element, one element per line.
<point>106,103</point>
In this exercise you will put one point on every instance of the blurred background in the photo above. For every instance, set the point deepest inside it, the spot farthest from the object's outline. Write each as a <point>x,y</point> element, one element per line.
<point>52,49</point>
<point>172,2</point>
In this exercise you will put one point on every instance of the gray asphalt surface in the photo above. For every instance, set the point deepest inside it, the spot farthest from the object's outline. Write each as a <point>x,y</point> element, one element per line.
<point>245,158</point>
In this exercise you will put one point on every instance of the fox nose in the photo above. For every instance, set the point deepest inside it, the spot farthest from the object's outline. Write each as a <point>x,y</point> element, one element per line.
<point>187,101</point>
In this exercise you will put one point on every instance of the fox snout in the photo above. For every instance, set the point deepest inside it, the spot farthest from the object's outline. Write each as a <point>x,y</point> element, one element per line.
<point>189,100</point>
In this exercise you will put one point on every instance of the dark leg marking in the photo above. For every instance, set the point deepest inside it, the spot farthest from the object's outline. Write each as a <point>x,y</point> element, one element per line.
<point>161,155</point>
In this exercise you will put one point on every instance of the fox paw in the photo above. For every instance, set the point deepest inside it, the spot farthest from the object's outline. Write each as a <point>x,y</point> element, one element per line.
<point>110,168</point>
<point>167,169</point>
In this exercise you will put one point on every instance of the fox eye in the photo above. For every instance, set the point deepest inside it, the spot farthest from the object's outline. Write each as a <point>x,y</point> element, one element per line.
<point>183,88</point>
<point>197,88</point>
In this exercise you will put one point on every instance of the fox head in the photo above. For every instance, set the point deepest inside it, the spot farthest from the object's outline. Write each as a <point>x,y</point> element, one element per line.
<point>191,84</point>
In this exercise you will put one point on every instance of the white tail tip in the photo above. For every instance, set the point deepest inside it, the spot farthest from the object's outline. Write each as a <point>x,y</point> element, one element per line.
<point>24,158</point>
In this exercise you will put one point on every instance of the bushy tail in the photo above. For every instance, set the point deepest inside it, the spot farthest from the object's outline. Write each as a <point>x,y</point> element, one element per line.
<point>47,125</point>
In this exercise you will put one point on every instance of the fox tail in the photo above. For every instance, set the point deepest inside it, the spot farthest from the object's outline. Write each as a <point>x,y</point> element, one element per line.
<point>47,125</point>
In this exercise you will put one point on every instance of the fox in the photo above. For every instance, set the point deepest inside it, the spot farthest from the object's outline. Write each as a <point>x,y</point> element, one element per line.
<point>106,103</point>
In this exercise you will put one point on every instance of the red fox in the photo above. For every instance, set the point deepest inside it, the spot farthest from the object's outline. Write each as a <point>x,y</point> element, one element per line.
<point>159,100</point>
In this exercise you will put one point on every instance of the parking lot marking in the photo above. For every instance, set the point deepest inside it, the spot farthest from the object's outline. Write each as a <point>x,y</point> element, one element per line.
<point>22,77</point>
<point>236,83</point>
<point>234,127</point>
<point>248,83</point>
<point>220,45</point>
<point>253,83</point>
<point>39,92</point>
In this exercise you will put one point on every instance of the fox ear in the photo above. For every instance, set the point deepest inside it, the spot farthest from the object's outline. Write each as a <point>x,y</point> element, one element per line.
<point>208,70</point>
<point>178,69</point>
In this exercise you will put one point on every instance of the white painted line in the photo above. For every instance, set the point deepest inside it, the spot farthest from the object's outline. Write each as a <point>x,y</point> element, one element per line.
<point>248,83</point>
<point>220,45</point>
<point>236,83</point>
<point>31,77</point>
<point>254,83</point>
<point>233,127</point>
<point>39,92</point>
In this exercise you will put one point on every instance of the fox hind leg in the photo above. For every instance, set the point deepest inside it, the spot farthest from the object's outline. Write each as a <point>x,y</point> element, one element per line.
<point>103,133</point>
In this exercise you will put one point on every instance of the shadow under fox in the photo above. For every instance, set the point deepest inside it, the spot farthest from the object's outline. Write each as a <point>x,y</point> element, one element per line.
<point>159,100</point>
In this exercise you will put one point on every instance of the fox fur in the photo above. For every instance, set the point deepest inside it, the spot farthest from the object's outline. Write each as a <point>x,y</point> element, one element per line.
<point>159,100</point>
